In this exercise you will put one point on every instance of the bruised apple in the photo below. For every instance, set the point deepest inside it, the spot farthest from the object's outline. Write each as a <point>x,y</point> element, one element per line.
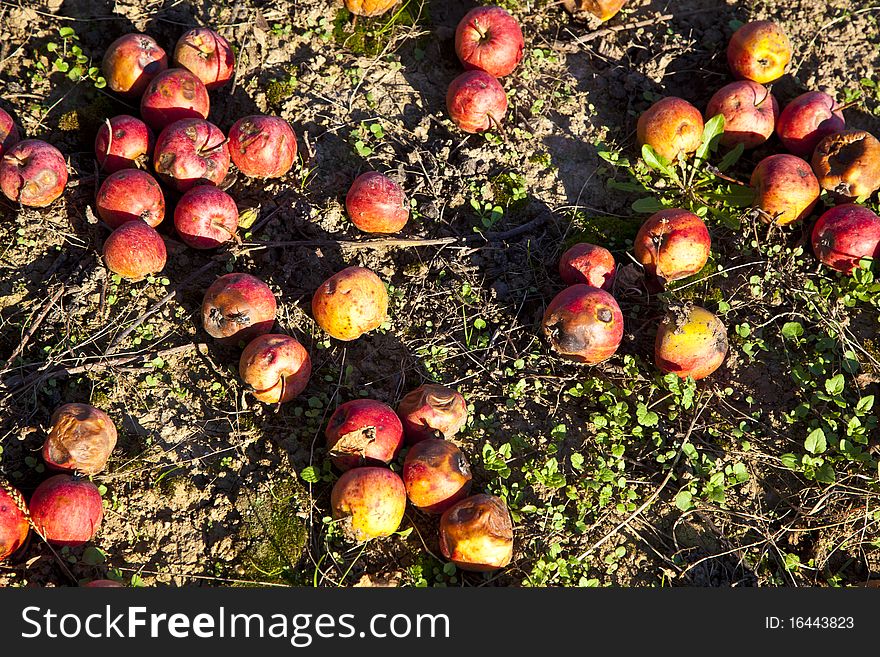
<point>673,244</point>
<point>14,524</point>
<point>238,307</point>
<point>81,439</point>
<point>206,217</point>
<point>432,409</point>
<point>123,142</point>
<point>671,126</point>
<point>131,62</point>
<point>847,163</point>
<point>785,189</point>
<point>191,152</point>
<point>66,511</point>
<point>369,501</point>
<point>476,102</point>
<point>601,9</point>
<point>589,264</point>
<point>477,533</point>
<point>134,251</point>
<point>844,235</point>
<point>130,195</point>
<point>9,135</point>
<point>489,39</point>
<point>174,95</point>
<point>691,341</point>
<point>276,367</point>
<point>759,51</point>
<point>436,475</point>
<point>262,146</point>
<point>363,432</point>
<point>806,120</point>
<point>33,173</point>
<point>350,303</point>
<point>377,204</point>
<point>749,111</point>
<point>584,324</point>
<point>207,55</point>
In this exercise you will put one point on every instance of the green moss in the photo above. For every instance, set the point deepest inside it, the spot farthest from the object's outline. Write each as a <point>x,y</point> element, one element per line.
<point>509,190</point>
<point>870,345</point>
<point>605,231</point>
<point>87,118</point>
<point>69,121</point>
<point>279,90</point>
<point>696,288</point>
<point>369,36</point>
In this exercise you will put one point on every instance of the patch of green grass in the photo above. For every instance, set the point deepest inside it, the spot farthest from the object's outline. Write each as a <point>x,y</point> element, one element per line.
<point>370,36</point>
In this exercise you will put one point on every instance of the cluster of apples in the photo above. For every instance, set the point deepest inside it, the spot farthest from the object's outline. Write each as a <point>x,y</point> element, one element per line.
<point>364,436</point>
<point>65,509</point>
<point>845,163</point>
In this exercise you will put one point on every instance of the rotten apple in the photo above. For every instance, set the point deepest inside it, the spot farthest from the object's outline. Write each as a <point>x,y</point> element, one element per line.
<point>377,204</point>
<point>191,152</point>
<point>9,135</point>
<point>33,173</point>
<point>174,95</point>
<point>370,502</point>
<point>129,195</point>
<point>131,62</point>
<point>584,324</point>
<point>14,524</point>
<point>691,341</point>
<point>806,120</point>
<point>276,367</point>
<point>436,475</point>
<point>350,303</point>
<point>432,410</point>
<point>476,102</point>
<point>847,163</point>
<point>588,264</point>
<point>66,511</point>
<point>477,533</point>
<point>124,142</point>
<point>134,251</point>
<point>363,432</point>
<point>81,439</point>
<point>671,126</point>
<point>672,244</point>
<point>207,55</point>
<point>262,146</point>
<point>206,217</point>
<point>844,235</point>
<point>749,111</point>
<point>238,307</point>
<point>785,189</point>
<point>489,39</point>
<point>759,51</point>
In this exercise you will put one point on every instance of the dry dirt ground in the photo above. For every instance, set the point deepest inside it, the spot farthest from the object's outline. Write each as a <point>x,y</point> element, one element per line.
<point>615,476</point>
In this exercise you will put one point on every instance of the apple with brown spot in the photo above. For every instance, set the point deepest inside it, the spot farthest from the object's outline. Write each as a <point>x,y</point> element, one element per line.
<point>672,244</point>
<point>786,190</point>
<point>80,439</point>
<point>844,235</point>
<point>66,511</point>
<point>262,146</point>
<point>130,195</point>
<point>691,342</point>
<point>477,533</point>
<point>432,410</point>
<point>174,95</point>
<point>749,111</point>
<point>476,102</point>
<point>238,307</point>
<point>806,120</point>
<point>207,55</point>
<point>363,432</point>
<point>377,204</point>
<point>276,367</point>
<point>370,503</point>
<point>350,303</point>
<point>191,152</point>
<point>33,173</point>
<point>759,51</point>
<point>436,475</point>
<point>671,126</point>
<point>131,62</point>
<point>124,142</point>
<point>489,39</point>
<point>134,251</point>
<point>9,135</point>
<point>584,324</point>
<point>847,164</point>
<point>206,217</point>
<point>589,264</point>
<point>14,524</point>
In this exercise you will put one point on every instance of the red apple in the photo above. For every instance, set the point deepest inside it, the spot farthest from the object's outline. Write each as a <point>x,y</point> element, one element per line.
<point>691,341</point>
<point>103,584</point>
<point>584,324</point>
<point>431,410</point>
<point>131,62</point>
<point>130,195</point>
<point>33,173</point>
<point>848,164</point>
<point>589,264</point>
<point>14,524</point>
<point>276,367</point>
<point>477,533</point>
<point>671,126</point>
<point>350,303</point>
<point>377,204</point>
<point>436,475</point>
<point>174,95</point>
<point>207,55</point>
<point>489,39</point>
<point>759,51</point>
<point>238,307</point>
<point>206,217</point>
<point>844,235</point>
<point>476,102</point>
<point>134,251</point>
<point>601,9</point>
<point>673,244</point>
<point>262,146</point>
<point>123,142</point>
<point>363,432</point>
<point>191,152</point>
<point>369,501</point>
<point>9,135</point>
<point>66,511</point>
<point>806,120</point>
<point>749,111</point>
<point>785,189</point>
<point>81,438</point>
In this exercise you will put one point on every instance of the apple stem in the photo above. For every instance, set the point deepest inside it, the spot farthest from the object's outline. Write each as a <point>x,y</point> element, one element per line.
<point>852,103</point>
<point>715,171</point>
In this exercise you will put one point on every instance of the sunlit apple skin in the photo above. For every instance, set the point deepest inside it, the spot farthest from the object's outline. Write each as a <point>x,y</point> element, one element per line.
<point>432,410</point>
<point>489,39</point>
<point>690,342</point>
<point>67,511</point>
<point>786,190</point>
<point>601,9</point>
<point>276,367</point>
<point>844,235</point>
<point>14,524</point>
<point>81,439</point>
<point>847,164</point>
<point>207,55</point>
<point>377,204</point>
<point>206,217</point>
<point>370,502</point>
<point>671,126</point>
<point>134,251</point>
<point>476,102</point>
<point>131,62</point>
<point>759,51</point>
<point>589,264</point>
<point>673,244</point>
<point>584,324</point>
<point>262,146</point>
<point>33,173</point>
<point>124,142</point>
<point>238,307</point>
<point>369,8</point>
<point>9,134</point>
<point>174,95</point>
<point>476,534</point>
<point>191,152</point>
<point>130,195</point>
<point>436,475</point>
<point>363,432</point>
<point>806,120</point>
<point>749,111</point>
<point>350,303</point>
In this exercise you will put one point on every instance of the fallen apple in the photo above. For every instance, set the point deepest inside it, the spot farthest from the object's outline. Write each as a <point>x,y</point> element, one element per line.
<point>131,62</point>
<point>477,533</point>
<point>9,135</point>
<point>806,120</point>
<point>134,251</point>
<point>436,475</point>
<point>671,126</point>
<point>238,307</point>
<point>377,204</point>
<point>363,432</point>
<point>601,9</point>
<point>191,152</point>
<point>476,102</point>
<point>785,189</point>
<point>66,511</point>
<point>369,7</point>
<point>207,55</point>
<point>262,146</point>
<point>33,173</point>
<point>370,502</point>
<point>584,324</point>
<point>588,264</point>
<point>844,235</point>
<point>847,163</point>
<point>276,368</point>
<point>130,195</point>
<point>432,410</point>
<point>174,95</point>
<point>80,439</point>
<point>123,142</point>
<point>489,39</point>
<point>691,341</point>
<point>749,111</point>
<point>759,51</point>
<point>14,524</point>
<point>206,217</point>
<point>672,244</point>
<point>350,303</point>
